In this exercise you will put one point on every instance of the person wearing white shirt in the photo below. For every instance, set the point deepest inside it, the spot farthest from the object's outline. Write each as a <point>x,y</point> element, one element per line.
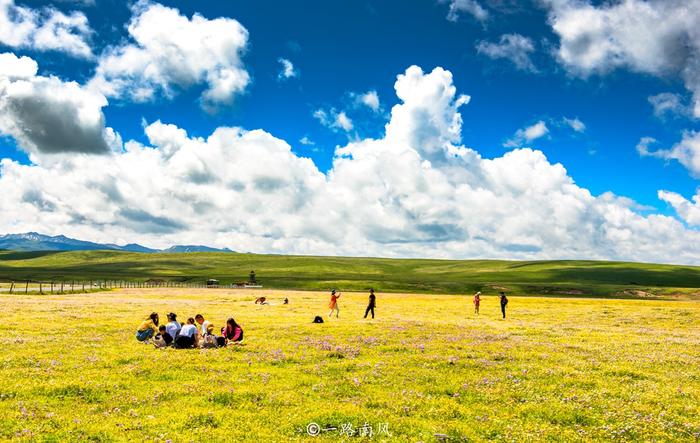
<point>204,324</point>
<point>188,335</point>
<point>173,327</point>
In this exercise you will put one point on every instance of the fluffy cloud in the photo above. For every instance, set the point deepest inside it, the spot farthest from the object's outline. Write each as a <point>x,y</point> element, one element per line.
<point>288,70</point>
<point>334,120</point>
<point>655,37</point>
<point>170,51</point>
<point>668,103</point>
<point>527,135</point>
<point>471,7</point>
<point>414,192</point>
<point>687,210</point>
<point>369,99</point>
<point>513,47</point>
<point>575,124</point>
<point>46,30</point>
<point>686,152</point>
<point>47,115</point>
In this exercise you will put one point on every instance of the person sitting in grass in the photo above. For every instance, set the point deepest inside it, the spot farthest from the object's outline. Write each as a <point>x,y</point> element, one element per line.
<point>477,302</point>
<point>163,338</point>
<point>173,327</point>
<point>209,340</point>
<point>148,328</point>
<point>232,333</point>
<point>333,305</point>
<point>188,335</point>
<point>204,324</point>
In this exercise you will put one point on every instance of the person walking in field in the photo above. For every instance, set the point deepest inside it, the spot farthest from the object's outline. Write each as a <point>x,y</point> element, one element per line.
<point>333,305</point>
<point>372,303</point>
<point>148,328</point>
<point>477,302</point>
<point>504,302</point>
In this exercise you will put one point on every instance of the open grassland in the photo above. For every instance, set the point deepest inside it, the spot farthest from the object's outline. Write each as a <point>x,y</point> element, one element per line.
<point>558,278</point>
<point>556,369</point>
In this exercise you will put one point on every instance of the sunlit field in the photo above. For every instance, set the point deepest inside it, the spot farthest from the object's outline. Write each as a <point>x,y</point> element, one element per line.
<point>425,369</point>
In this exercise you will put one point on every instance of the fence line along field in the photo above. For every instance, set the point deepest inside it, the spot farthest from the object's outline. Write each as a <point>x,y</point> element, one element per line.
<point>557,277</point>
<point>426,368</point>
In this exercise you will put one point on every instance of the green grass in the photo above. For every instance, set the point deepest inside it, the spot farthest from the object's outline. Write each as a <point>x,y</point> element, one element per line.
<point>558,278</point>
<point>558,369</point>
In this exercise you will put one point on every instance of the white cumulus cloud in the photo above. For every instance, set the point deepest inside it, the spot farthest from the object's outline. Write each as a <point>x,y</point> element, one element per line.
<point>686,152</point>
<point>688,210</point>
<point>470,7</point>
<point>527,134</point>
<point>47,29</point>
<point>333,119</point>
<point>667,103</point>
<point>654,37</point>
<point>168,51</point>
<point>576,124</point>
<point>288,70</point>
<point>414,192</point>
<point>370,99</point>
<point>513,47</point>
<point>47,115</point>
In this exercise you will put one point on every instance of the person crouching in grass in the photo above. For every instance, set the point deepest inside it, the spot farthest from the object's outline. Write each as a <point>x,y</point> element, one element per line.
<point>148,328</point>
<point>187,338</point>
<point>208,339</point>
<point>163,338</point>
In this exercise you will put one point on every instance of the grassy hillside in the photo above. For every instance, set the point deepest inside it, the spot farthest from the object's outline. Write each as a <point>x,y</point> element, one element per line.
<point>573,278</point>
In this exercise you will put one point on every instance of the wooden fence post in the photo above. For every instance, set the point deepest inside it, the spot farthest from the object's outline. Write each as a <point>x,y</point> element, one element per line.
<point>61,286</point>
<point>26,287</point>
<point>12,286</point>
<point>52,286</point>
<point>41,288</point>
<point>83,286</point>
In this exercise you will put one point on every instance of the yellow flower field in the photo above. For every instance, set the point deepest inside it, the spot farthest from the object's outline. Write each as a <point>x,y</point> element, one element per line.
<point>425,369</point>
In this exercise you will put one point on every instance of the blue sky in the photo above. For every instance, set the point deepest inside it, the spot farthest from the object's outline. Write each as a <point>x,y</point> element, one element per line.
<point>342,49</point>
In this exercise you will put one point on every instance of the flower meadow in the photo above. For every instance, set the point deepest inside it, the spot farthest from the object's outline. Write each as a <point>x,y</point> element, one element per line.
<point>426,369</point>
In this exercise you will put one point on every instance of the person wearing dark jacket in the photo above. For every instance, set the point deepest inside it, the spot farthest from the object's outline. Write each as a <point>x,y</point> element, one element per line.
<point>504,302</point>
<point>372,303</point>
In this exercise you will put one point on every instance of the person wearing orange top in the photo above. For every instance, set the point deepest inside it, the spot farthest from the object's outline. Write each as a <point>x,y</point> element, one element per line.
<point>477,302</point>
<point>333,305</point>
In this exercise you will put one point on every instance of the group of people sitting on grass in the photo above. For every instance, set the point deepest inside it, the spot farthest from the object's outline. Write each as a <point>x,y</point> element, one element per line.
<point>195,333</point>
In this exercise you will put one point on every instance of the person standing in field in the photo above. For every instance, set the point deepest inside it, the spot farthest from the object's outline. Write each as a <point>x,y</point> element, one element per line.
<point>477,302</point>
<point>504,302</point>
<point>148,328</point>
<point>372,303</point>
<point>333,305</point>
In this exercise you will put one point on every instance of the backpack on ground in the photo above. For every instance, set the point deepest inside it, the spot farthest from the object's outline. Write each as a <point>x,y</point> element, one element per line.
<point>318,319</point>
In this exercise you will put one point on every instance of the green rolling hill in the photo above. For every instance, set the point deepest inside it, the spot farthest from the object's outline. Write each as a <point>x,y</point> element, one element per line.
<point>561,278</point>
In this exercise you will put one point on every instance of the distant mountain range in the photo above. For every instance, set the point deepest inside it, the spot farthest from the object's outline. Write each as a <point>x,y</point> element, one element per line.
<point>32,241</point>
